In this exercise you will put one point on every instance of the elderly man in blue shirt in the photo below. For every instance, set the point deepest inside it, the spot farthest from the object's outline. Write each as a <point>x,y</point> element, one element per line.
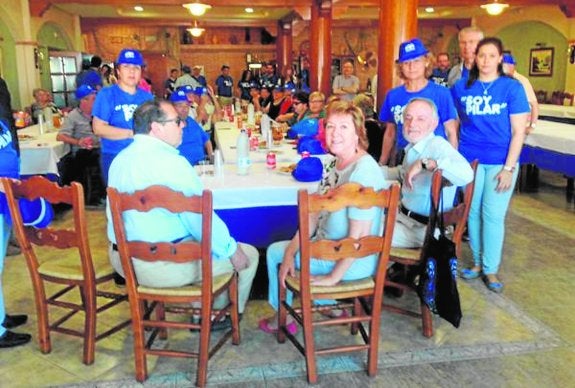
<point>425,153</point>
<point>153,159</point>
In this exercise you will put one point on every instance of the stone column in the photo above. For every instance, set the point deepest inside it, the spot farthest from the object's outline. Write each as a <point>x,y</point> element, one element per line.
<point>320,55</point>
<point>397,23</point>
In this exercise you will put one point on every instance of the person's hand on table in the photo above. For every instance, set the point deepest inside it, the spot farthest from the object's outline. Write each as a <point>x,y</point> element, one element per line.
<point>240,260</point>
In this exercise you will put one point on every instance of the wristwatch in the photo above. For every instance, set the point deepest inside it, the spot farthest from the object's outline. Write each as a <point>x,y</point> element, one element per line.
<point>509,168</point>
<point>424,163</point>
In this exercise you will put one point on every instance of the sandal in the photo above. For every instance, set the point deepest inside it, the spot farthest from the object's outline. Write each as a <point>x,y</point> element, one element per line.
<point>335,313</point>
<point>264,325</point>
<point>470,273</point>
<point>495,286</point>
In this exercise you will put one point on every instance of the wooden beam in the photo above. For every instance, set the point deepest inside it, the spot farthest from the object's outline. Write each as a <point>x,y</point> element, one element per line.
<point>39,7</point>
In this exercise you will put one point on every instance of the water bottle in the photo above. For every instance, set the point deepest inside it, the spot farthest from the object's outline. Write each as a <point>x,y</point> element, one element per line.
<point>251,114</point>
<point>265,125</point>
<point>41,123</point>
<point>218,163</point>
<point>243,153</point>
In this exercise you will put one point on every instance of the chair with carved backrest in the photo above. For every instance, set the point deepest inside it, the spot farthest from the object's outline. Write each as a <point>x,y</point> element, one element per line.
<point>174,300</point>
<point>66,268</point>
<point>541,96</point>
<point>366,294</point>
<point>557,98</point>
<point>567,99</point>
<point>411,258</point>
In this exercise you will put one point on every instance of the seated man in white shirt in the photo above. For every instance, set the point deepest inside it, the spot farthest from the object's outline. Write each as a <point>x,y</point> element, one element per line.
<point>153,159</point>
<point>424,153</point>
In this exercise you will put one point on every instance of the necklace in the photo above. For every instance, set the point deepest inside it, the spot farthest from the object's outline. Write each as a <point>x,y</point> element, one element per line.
<point>486,88</point>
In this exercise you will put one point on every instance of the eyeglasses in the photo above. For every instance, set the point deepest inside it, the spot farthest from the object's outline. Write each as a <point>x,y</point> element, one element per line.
<point>317,101</point>
<point>177,120</point>
<point>294,103</point>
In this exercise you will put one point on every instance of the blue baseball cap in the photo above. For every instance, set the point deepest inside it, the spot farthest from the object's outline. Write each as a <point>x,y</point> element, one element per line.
<point>411,49</point>
<point>130,57</point>
<point>200,90</point>
<point>308,170</point>
<point>84,91</point>
<point>186,88</point>
<point>508,58</point>
<point>311,145</point>
<point>37,212</point>
<point>178,96</point>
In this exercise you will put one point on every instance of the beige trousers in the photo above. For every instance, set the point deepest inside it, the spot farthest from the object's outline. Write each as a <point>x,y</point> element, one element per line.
<point>164,274</point>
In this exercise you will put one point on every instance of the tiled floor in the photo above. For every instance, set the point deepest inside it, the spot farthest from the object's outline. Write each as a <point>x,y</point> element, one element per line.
<point>524,337</point>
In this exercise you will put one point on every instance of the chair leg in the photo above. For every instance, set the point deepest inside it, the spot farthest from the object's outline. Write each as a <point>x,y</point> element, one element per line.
<point>373,337</point>
<point>235,311</point>
<point>161,316</point>
<point>356,312</point>
<point>42,311</point>
<point>282,314</point>
<point>89,301</point>
<point>139,351</point>
<point>203,356</point>
<point>309,344</point>
<point>426,321</point>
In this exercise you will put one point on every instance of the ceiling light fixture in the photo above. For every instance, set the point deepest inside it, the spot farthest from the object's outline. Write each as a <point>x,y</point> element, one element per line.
<point>249,10</point>
<point>196,31</point>
<point>430,10</point>
<point>138,8</point>
<point>494,8</point>
<point>196,8</point>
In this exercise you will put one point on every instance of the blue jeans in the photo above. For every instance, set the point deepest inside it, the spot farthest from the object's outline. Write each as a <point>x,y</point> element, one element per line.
<point>4,238</point>
<point>361,268</point>
<point>486,222</point>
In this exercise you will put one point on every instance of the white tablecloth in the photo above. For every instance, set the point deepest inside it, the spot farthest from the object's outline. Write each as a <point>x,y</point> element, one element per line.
<point>41,153</point>
<point>559,111</point>
<point>260,188</point>
<point>553,136</point>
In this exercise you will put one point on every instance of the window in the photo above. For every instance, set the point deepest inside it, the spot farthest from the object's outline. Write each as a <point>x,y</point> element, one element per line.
<point>63,70</point>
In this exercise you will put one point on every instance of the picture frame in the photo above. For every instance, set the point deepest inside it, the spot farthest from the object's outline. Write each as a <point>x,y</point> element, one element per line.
<point>541,62</point>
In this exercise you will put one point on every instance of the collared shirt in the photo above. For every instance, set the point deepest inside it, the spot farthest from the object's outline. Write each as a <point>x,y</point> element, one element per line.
<point>187,79</point>
<point>453,165</point>
<point>341,81</point>
<point>78,126</point>
<point>149,161</point>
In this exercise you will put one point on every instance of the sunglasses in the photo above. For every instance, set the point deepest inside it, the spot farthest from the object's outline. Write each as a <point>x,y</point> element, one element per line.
<point>177,120</point>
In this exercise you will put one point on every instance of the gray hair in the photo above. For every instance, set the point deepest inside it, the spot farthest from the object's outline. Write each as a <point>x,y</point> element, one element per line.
<point>471,29</point>
<point>427,101</point>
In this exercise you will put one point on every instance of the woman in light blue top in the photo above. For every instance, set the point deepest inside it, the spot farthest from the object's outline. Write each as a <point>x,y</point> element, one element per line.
<point>493,110</point>
<point>347,140</point>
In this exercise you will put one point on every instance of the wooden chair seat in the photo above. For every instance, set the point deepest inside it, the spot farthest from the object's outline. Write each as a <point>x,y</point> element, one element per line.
<point>410,254</point>
<point>411,258</point>
<point>69,268</point>
<point>190,300</point>
<point>73,271</point>
<point>218,283</point>
<point>361,298</point>
<point>342,287</point>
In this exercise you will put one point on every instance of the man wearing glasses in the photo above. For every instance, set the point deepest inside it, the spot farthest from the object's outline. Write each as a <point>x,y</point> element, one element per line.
<point>153,159</point>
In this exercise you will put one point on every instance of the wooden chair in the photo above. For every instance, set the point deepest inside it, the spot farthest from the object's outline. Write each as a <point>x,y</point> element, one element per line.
<point>366,294</point>
<point>177,300</point>
<point>557,98</point>
<point>541,96</point>
<point>68,270</point>
<point>411,258</point>
<point>567,99</point>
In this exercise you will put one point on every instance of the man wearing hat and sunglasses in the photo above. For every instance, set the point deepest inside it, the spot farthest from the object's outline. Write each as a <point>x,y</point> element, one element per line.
<point>115,105</point>
<point>414,67</point>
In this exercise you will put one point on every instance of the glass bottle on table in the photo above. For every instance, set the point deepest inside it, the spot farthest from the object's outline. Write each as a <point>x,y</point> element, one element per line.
<point>243,153</point>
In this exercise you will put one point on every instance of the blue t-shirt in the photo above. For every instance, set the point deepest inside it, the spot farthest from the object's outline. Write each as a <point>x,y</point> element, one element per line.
<point>224,84</point>
<point>193,140</point>
<point>245,87</point>
<point>397,98</point>
<point>9,163</point>
<point>116,107</point>
<point>484,110</point>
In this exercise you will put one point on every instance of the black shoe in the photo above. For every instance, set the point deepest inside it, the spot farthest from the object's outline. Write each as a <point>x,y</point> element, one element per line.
<point>224,324</point>
<point>12,321</point>
<point>11,339</point>
<point>119,280</point>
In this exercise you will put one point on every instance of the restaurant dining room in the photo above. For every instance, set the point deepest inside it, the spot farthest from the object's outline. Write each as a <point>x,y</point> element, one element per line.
<point>190,187</point>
